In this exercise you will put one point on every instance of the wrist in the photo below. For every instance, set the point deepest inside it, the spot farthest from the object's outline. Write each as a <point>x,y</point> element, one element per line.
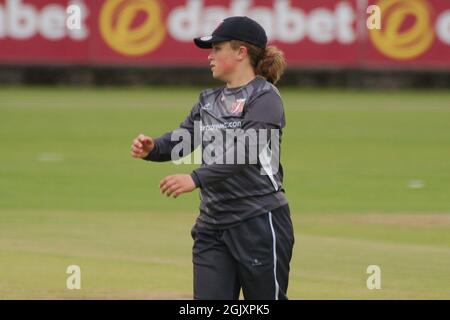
<point>149,154</point>
<point>195,179</point>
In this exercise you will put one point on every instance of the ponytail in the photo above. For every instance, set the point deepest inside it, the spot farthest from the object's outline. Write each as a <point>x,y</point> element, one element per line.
<point>268,63</point>
<point>271,65</point>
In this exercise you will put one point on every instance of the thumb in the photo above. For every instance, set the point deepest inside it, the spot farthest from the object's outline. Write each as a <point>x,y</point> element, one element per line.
<point>143,139</point>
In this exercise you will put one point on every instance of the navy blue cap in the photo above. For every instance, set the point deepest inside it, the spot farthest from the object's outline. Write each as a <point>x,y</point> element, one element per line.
<point>235,28</point>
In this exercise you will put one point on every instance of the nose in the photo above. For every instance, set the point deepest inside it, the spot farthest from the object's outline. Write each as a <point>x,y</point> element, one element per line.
<point>210,56</point>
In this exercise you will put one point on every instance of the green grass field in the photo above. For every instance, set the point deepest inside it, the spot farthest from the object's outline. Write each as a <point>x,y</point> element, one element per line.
<point>367,175</point>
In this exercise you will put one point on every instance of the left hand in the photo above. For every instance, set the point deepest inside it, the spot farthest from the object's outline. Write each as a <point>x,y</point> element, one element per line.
<point>176,185</point>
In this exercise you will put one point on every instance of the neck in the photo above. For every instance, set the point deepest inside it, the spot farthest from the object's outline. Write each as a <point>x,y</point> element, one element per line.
<point>241,79</point>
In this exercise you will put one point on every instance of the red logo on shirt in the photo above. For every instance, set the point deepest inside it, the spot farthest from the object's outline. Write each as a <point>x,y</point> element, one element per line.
<point>237,106</point>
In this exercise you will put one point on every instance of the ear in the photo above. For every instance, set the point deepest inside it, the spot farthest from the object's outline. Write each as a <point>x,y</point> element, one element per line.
<point>242,53</point>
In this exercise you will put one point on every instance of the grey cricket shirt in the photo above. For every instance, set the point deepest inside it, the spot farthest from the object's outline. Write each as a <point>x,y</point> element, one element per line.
<point>231,193</point>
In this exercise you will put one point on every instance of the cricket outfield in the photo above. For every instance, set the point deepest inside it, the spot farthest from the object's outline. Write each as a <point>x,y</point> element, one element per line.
<point>367,175</point>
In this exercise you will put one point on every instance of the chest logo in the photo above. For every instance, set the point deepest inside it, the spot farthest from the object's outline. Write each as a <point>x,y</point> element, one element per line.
<point>237,106</point>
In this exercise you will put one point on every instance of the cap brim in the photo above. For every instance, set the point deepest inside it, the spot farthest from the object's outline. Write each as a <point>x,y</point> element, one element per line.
<point>208,41</point>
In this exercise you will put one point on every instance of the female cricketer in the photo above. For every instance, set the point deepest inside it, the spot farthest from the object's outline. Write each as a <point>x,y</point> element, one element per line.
<point>243,236</point>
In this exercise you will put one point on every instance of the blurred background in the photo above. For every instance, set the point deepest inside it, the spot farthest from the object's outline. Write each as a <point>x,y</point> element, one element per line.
<point>365,151</point>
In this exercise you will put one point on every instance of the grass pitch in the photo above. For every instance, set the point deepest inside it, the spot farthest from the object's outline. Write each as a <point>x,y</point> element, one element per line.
<point>367,175</point>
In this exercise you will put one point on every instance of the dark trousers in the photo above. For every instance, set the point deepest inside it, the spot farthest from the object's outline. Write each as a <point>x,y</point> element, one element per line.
<point>254,256</point>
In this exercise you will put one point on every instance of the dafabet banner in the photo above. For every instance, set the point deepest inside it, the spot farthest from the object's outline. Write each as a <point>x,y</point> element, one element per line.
<point>313,33</point>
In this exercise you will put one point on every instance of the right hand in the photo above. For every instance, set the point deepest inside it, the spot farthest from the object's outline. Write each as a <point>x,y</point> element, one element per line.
<point>142,146</point>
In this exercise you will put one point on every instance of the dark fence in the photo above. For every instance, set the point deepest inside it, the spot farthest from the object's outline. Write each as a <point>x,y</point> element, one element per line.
<point>79,75</point>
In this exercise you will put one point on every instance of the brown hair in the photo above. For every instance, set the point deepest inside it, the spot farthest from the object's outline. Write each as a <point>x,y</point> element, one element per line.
<point>268,63</point>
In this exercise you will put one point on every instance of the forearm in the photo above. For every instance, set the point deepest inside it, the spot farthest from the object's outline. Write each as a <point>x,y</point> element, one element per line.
<point>211,174</point>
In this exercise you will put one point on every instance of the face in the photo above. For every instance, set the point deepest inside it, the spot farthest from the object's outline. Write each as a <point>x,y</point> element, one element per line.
<point>223,61</point>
